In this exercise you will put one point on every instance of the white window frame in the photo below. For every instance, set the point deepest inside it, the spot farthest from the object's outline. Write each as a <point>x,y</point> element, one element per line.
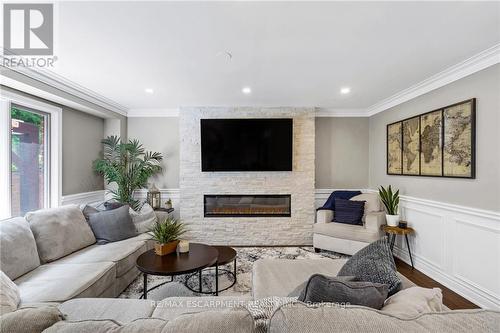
<point>8,98</point>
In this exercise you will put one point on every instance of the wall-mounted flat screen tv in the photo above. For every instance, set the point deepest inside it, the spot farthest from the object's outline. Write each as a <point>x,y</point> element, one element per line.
<point>246,144</point>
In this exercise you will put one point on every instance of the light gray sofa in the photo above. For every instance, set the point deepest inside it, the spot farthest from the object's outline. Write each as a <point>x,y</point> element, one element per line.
<point>54,258</point>
<point>347,238</point>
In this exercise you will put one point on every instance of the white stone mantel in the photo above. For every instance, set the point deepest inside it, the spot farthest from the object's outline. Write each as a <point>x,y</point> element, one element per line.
<point>299,183</point>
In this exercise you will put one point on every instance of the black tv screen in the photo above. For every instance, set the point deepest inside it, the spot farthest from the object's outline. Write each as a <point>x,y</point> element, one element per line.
<point>246,144</point>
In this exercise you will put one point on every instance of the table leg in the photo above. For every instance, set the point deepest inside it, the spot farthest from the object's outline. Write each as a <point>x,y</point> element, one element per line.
<point>199,280</point>
<point>409,251</point>
<point>392,241</point>
<point>216,280</point>
<point>234,270</point>
<point>145,291</point>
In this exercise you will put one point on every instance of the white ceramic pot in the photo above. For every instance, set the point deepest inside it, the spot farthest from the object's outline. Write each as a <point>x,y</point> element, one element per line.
<point>392,220</point>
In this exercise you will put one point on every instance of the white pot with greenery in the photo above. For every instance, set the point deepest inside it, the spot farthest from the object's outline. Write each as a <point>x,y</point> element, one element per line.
<point>390,200</point>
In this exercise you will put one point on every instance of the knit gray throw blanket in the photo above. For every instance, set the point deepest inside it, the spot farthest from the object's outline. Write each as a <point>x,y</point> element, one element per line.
<point>262,310</point>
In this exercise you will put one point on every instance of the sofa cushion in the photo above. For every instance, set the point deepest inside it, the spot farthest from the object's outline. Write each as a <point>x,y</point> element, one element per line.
<point>173,307</point>
<point>123,254</point>
<point>59,231</point>
<point>321,288</point>
<point>120,310</point>
<point>30,320</point>
<point>224,321</point>
<point>19,254</point>
<point>346,231</point>
<point>112,225</point>
<point>61,282</point>
<point>279,277</point>
<point>9,295</point>
<point>326,318</point>
<point>374,263</point>
<point>413,301</point>
<point>372,202</point>
<point>349,212</point>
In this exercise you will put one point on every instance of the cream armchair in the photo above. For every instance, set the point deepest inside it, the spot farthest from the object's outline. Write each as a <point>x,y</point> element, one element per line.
<point>347,238</point>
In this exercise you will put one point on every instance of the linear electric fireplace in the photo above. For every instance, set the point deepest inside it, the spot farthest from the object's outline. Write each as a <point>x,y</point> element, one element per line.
<point>247,205</point>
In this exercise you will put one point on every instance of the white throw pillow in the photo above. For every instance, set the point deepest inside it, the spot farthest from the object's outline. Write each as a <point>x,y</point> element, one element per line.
<point>409,303</point>
<point>144,219</point>
<point>9,295</point>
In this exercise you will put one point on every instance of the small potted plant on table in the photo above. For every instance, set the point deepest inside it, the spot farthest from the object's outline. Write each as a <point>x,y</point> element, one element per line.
<point>390,200</point>
<point>166,234</point>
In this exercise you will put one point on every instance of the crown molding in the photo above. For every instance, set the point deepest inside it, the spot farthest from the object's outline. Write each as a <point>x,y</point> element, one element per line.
<point>331,112</point>
<point>67,86</point>
<point>476,63</point>
<point>167,112</point>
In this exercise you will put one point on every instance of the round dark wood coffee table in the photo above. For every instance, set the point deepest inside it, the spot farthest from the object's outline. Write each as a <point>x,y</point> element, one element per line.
<point>226,255</point>
<point>199,256</point>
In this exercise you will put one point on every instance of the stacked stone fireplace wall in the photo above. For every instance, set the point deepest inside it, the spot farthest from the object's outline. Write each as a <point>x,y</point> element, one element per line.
<point>299,183</point>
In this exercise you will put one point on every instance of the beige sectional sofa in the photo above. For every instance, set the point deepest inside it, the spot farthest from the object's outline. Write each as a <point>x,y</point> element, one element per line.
<point>82,285</point>
<point>88,271</point>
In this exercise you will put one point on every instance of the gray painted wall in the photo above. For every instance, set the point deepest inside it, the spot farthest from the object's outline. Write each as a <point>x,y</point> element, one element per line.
<point>82,135</point>
<point>482,192</point>
<point>161,135</point>
<point>342,152</point>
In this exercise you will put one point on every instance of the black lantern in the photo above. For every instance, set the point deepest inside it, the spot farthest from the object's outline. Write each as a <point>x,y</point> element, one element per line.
<point>154,197</point>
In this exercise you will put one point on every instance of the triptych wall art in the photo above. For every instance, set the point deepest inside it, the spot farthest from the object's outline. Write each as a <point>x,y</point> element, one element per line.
<point>439,143</point>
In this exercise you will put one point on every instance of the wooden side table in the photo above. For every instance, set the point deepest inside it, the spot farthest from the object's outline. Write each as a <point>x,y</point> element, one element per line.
<point>394,231</point>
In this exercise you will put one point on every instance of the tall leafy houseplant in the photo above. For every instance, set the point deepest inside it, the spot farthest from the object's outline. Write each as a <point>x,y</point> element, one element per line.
<point>390,200</point>
<point>129,165</point>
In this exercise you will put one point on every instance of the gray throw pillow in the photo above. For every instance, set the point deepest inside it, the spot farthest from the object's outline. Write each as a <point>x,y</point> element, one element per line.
<point>112,225</point>
<point>322,288</point>
<point>87,210</point>
<point>296,292</point>
<point>374,263</point>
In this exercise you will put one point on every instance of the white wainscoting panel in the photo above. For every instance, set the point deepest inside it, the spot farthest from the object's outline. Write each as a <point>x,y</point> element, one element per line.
<point>83,198</point>
<point>455,245</point>
<point>172,193</point>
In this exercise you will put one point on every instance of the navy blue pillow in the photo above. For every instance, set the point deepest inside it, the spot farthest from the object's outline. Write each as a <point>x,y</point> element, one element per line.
<point>349,212</point>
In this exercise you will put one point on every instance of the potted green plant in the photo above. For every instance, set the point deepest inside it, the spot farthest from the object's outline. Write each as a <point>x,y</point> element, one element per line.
<point>167,234</point>
<point>168,204</point>
<point>390,200</point>
<point>128,165</point>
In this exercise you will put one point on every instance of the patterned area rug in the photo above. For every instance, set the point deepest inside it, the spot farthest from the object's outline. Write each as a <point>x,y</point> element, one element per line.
<point>245,259</point>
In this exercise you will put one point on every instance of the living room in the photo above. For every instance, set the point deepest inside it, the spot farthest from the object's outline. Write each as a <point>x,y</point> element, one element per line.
<point>250,167</point>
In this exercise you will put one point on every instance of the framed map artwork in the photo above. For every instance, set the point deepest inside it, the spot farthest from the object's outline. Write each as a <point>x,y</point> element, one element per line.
<point>439,143</point>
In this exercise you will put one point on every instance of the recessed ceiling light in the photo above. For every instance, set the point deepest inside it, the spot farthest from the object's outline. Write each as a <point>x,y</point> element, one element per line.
<point>149,90</point>
<point>246,90</point>
<point>345,90</point>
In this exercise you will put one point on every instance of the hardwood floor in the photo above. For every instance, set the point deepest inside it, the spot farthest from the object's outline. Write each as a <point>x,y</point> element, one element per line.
<point>450,298</point>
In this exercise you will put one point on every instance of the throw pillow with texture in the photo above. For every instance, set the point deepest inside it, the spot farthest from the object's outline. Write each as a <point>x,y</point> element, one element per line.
<point>411,302</point>
<point>349,212</point>
<point>374,263</point>
<point>322,288</point>
<point>296,292</point>
<point>144,219</point>
<point>112,225</point>
<point>9,295</point>
<point>30,320</point>
<point>59,231</point>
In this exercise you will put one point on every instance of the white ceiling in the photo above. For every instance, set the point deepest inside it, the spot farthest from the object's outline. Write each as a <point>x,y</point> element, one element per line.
<point>289,53</point>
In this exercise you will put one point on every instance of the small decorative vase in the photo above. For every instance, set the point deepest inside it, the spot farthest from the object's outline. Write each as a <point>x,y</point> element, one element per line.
<point>168,205</point>
<point>392,220</point>
<point>163,249</point>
